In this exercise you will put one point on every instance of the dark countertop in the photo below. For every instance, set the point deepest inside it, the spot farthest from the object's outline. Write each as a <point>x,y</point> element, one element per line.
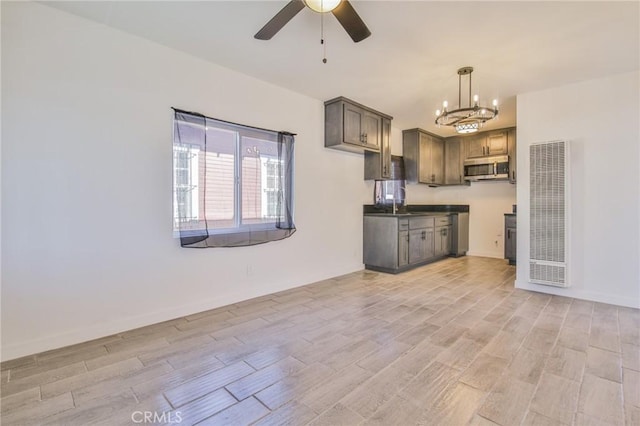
<point>428,209</point>
<point>410,214</point>
<point>510,214</point>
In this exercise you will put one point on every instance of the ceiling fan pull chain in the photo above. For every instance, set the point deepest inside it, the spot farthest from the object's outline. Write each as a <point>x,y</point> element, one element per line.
<point>324,46</point>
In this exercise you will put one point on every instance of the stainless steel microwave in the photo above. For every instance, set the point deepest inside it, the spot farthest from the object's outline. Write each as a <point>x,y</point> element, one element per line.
<point>487,168</point>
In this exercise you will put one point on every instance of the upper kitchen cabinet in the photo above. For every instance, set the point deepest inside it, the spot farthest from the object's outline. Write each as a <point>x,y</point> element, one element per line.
<point>378,165</point>
<point>454,162</point>
<point>423,157</point>
<point>485,144</point>
<point>353,127</point>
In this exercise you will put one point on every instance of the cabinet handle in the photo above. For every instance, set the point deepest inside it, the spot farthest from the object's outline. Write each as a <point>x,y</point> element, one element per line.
<point>508,234</point>
<point>483,150</point>
<point>488,150</point>
<point>513,175</point>
<point>460,178</point>
<point>433,177</point>
<point>365,138</point>
<point>424,235</point>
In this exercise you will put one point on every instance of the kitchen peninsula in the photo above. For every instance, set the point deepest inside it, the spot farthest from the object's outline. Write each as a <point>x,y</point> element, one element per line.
<point>413,236</point>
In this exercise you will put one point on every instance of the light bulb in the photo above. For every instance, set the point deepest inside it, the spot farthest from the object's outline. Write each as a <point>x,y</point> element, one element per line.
<point>437,113</point>
<point>322,5</point>
<point>445,104</point>
<point>475,98</point>
<point>495,102</point>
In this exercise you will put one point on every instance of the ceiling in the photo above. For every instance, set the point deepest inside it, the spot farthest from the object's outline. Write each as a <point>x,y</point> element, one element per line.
<point>409,64</point>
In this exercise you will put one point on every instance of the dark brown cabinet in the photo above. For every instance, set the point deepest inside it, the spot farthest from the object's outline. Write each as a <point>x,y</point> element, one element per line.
<point>377,165</point>
<point>510,238</point>
<point>497,143</point>
<point>486,144</point>
<point>423,157</point>
<point>395,243</point>
<point>453,162</point>
<point>403,248</point>
<point>350,126</point>
<point>511,138</point>
<point>442,236</point>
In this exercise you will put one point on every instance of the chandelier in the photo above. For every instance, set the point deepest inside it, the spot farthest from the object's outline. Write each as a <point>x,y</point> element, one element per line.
<point>471,118</point>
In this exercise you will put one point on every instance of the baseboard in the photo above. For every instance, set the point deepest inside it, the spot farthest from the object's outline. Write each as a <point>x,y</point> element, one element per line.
<point>97,331</point>
<point>92,332</point>
<point>576,293</point>
<point>485,254</point>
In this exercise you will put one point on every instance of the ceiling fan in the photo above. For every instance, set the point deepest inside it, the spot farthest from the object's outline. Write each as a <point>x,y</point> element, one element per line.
<point>341,9</point>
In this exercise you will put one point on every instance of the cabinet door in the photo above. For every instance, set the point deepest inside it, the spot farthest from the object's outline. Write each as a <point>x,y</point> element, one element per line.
<point>424,155</point>
<point>352,132</point>
<point>378,165</point>
<point>403,248</point>
<point>446,240</point>
<point>437,161</point>
<point>510,245</point>
<point>453,158</point>
<point>442,240</point>
<point>385,148</point>
<point>372,130</point>
<point>511,142</point>
<point>417,246</point>
<point>475,146</point>
<point>429,247</point>
<point>497,143</point>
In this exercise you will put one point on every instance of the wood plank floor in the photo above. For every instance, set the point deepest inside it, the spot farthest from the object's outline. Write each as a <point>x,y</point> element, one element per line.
<point>451,343</point>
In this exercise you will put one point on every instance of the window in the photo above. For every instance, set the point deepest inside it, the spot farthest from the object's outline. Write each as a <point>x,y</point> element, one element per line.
<point>233,184</point>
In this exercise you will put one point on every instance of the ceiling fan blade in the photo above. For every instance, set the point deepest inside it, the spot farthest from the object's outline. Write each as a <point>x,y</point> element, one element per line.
<point>280,20</point>
<point>350,20</point>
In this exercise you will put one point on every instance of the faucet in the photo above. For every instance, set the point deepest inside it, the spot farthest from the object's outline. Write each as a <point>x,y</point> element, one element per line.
<point>394,199</point>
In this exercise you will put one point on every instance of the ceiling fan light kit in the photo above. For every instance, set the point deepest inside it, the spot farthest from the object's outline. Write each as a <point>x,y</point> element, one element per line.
<point>341,9</point>
<point>322,6</point>
<point>471,118</point>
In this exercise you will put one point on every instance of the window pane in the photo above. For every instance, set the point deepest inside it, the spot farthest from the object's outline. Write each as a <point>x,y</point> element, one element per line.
<point>220,178</point>
<point>260,180</point>
<point>186,187</point>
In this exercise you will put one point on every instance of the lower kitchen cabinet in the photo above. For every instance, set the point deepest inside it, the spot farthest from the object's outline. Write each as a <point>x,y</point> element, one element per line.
<point>442,237</point>
<point>395,243</point>
<point>403,248</point>
<point>510,238</point>
<point>420,245</point>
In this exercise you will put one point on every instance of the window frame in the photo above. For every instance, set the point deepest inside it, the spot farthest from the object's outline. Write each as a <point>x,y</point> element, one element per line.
<point>267,222</point>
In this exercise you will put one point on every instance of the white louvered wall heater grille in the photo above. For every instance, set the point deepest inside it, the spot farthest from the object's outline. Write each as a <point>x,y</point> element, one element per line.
<point>548,209</point>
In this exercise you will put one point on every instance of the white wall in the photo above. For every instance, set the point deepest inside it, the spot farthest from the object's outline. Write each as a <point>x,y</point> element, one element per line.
<point>488,202</point>
<point>600,119</point>
<point>87,247</point>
